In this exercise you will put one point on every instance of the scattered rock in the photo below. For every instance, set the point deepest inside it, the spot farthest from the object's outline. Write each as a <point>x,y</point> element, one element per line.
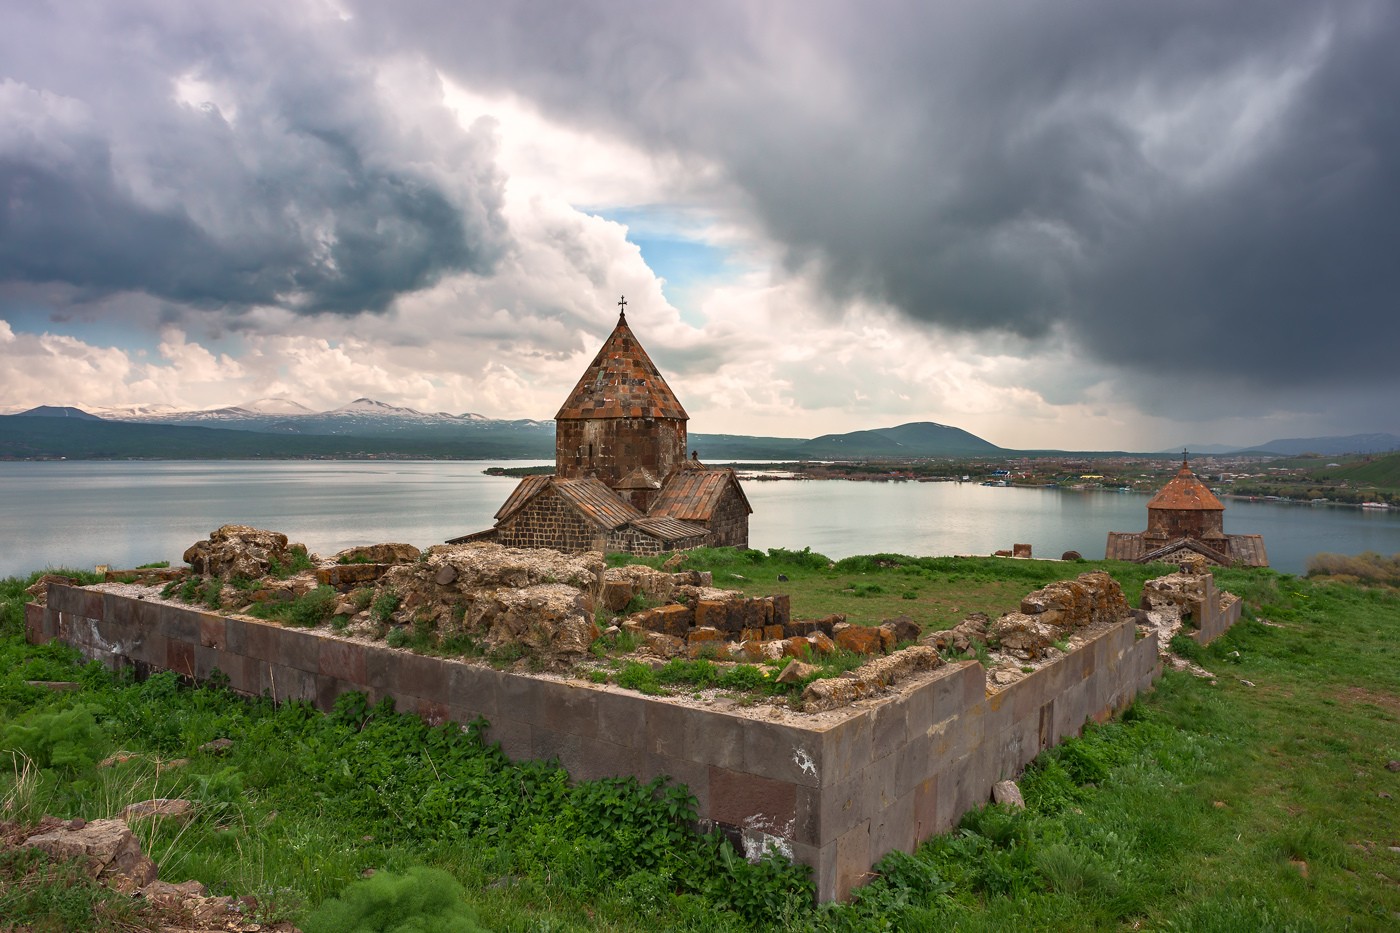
<point>1009,793</point>
<point>796,671</point>
<point>446,576</point>
<point>216,746</point>
<point>1301,865</point>
<point>903,628</point>
<point>174,807</point>
<point>56,686</point>
<point>1392,765</point>
<point>860,639</point>
<point>961,637</point>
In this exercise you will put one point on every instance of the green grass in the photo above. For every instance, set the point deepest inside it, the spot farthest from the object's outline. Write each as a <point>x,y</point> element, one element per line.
<point>1194,811</point>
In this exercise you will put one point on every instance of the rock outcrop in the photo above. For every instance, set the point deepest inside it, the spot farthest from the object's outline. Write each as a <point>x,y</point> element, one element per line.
<point>238,551</point>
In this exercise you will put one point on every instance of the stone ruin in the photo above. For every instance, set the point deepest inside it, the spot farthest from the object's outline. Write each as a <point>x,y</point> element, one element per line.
<point>546,609</point>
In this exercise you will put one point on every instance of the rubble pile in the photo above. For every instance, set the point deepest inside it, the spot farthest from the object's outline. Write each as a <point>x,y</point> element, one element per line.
<point>239,551</point>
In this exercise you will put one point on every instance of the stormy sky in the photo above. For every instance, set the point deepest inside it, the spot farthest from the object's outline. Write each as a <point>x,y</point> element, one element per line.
<point>1070,224</point>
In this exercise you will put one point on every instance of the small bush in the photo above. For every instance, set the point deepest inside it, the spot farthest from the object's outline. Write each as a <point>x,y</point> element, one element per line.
<point>307,611</point>
<point>68,739</point>
<point>421,900</point>
<point>385,605</point>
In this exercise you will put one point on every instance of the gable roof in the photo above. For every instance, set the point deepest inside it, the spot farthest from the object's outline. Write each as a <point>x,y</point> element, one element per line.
<point>590,496</point>
<point>622,382</point>
<point>1185,491</point>
<point>669,529</point>
<point>694,494</point>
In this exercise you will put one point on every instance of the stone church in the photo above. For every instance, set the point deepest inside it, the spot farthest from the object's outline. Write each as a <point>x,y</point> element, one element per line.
<point>1183,517</point>
<point>622,481</point>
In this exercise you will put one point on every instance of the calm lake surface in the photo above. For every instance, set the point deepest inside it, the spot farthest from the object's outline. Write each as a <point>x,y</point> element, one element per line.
<point>84,513</point>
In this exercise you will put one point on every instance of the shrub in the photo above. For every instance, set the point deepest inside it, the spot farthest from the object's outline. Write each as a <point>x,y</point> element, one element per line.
<point>67,739</point>
<point>385,605</point>
<point>307,611</point>
<point>421,900</point>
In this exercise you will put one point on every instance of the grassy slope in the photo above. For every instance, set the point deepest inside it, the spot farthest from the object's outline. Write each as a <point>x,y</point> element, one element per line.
<point>1381,472</point>
<point>1195,812</point>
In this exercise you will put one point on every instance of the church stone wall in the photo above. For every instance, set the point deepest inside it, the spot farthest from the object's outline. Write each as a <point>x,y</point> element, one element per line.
<point>610,448</point>
<point>548,521</point>
<point>730,525</point>
<point>1184,523</point>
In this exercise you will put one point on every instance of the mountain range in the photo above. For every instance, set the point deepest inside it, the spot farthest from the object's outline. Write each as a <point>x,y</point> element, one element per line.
<point>281,427</point>
<point>274,427</point>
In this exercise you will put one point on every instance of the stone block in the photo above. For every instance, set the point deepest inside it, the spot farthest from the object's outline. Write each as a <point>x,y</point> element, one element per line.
<point>821,643</point>
<point>420,676</point>
<point>568,709</point>
<point>846,749</point>
<point>853,859</point>
<point>797,648</point>
<point>782,610</point>
<point>693,775</point>
<point>245,674</point>
<point>261,641</point>
<point>738,798</point>
<point>591,759</point>
<point>179,657</point>
<point>328,690</point>
<point>782,752</point>
<point>772,632</point>
<point>343,660</point>
<point>209,660</point>
<point>620,719</point>
<point>675,620</point>
<point>513,735</point>
<point>926,809</point>
<point>236,636</point>
<point>618,593</point>
<point>711,613</point>
<point>213,632</point>
<point>472,692</point>
<point>859,639</point>
<point>666,730</point>
<point>298,649</point>
<point>889,726</point>
<point>893,828</point>
<point>34,624</point>
<point>714,738</point>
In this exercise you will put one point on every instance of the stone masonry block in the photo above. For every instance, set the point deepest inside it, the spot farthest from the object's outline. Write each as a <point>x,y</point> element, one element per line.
<point>747,800</point>
<point>714,738</point>
<point>174,623</point>
<point>889,726</point>
<point>34,624</point>
<point>711,613</point>
<point>591,759</point>
<point>621,719</point>
<point>782,752</point>
<point>344,660</point>
<point>962,687</point>
<point>213,632</point>
<point>846,749</point>
<point>420,676</point>
<point>926,809</point>
<point>236,635</point>
<point>207,661</point>
<point>261,640</point>
<point>693,775</point>
<point>179,657</point>
<point>782,610</point>
<point>806,827</point>
<point>853,859</point>
<point>674,620</point>
<point>893,828</point>
<point>514,737</point>
<point>666,732</point>
<point>472,692</point>
<point>301,650</point>
<point>569,709</point>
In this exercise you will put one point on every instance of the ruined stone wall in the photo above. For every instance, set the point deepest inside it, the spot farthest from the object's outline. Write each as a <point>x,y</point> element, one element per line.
<point>836,792</point>
<point>613,447</point>
<point>548,521</point>
<point>730,525</point>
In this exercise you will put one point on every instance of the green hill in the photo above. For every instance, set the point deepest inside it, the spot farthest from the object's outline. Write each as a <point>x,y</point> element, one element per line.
<point>1382,472</point>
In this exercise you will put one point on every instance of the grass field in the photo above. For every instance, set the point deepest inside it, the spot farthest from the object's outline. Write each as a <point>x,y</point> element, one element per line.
<point>1260,802</point>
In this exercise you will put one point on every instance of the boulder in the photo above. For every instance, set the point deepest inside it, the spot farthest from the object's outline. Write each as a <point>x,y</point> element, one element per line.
<point>795,672</point>
<point>110,850</point>
<point>1009,794</point>
<point>238,551</point>
<point>903,628</point>
<point>655,586</point>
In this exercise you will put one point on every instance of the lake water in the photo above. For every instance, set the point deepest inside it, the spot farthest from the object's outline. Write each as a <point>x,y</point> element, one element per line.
<point>84,513</point>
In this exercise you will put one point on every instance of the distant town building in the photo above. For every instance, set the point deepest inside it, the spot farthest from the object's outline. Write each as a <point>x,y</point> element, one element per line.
<point>622,481</point>
<point>1184,517</point>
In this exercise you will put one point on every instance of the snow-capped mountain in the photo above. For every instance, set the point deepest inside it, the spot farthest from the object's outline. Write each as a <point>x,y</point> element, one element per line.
<point>365,417</point>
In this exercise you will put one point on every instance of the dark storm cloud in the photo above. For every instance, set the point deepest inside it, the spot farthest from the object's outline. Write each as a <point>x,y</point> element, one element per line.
<point>1180,187</point>
<point>298,184</point>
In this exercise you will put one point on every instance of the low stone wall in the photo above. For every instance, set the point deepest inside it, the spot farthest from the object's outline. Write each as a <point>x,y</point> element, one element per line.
<point>836,791</point>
